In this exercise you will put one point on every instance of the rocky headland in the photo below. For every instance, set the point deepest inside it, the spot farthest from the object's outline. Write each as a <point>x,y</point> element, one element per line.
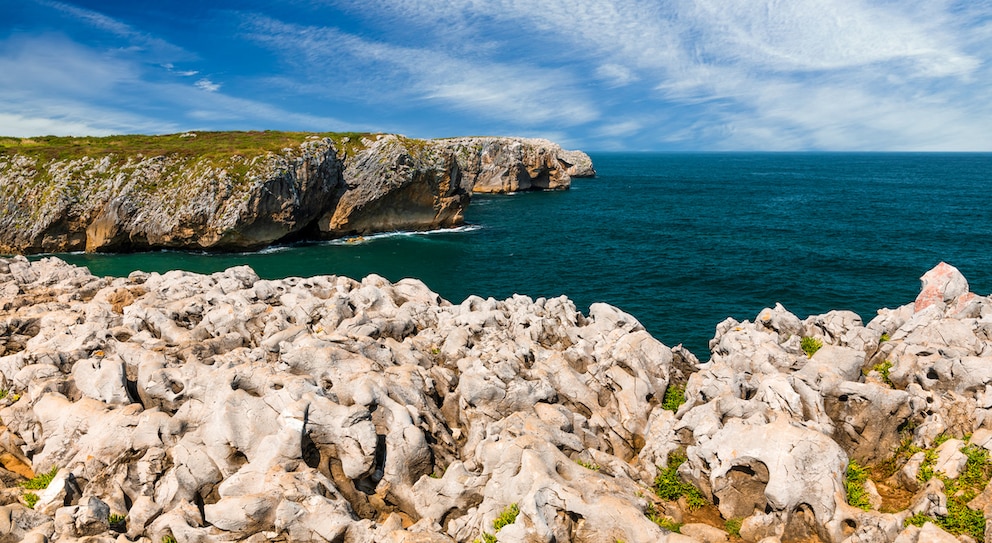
<point>195,408</point>
<point>241,191</point>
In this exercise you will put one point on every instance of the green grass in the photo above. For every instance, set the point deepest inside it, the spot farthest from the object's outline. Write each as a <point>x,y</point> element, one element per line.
<point>588,465</point>
<point>733,526</point>
<point>974,477</point>
<point>117,521</point>
<point>30,498</point>
<point>674,398</point>
<point>656,517</point>
<point>883,368</point>
<point>205,144</point>
<point>41,480</point>
<point>885,337</point>
<point>3,393</point>
<point>668,485</point>
<point>854,485</point>
<point>810,345</point>
<point>507,517</point>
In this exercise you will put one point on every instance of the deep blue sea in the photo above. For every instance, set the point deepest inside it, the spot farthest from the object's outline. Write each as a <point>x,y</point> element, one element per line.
<point>683,241</point>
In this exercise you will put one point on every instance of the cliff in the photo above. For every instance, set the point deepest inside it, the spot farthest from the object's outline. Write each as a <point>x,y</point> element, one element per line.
<point>227,408</point>
<point>236,191</point>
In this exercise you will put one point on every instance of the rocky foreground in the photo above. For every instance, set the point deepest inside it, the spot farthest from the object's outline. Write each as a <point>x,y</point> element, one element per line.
<point>123,200</point>
<point>185,407</point>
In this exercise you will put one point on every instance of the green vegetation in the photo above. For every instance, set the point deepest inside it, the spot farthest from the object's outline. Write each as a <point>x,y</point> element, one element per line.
<point>925,473</point>
<point>885,337</point>
<point>656,517</point>
<point>974,477</point>
<point>674,397</point>
<point>810,345</point>
<point>507,517</point>
<point>733,526</point>
<point>30,498</point>
<point>169,539</point>
<point>668,486</point>
<point>204,144</point>
<point>883,368</point>
<point>41,480</point>
<point>117,522</point>
<point>588,465</point>
<point>3,393</point>
<point>854,484</point>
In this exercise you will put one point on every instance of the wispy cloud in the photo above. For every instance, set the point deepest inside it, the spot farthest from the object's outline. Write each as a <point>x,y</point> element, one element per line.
<point>207,85</point>
<point>820,74</point>
<point>524,93</point>
<point>53,85</point>
<point>153,46</point>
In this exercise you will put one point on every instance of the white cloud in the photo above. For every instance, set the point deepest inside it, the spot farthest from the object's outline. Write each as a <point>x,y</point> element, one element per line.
<point>624,128</point>
<point>22,126</point>
<point>833,74</point>
<point>148,44</point>
<point>615,75</point>
<point>523,93</point>
<point>53,85</point>
<point>207,85</point>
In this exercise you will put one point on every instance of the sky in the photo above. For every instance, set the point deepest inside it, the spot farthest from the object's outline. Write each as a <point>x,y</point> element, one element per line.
<point>637,75</point>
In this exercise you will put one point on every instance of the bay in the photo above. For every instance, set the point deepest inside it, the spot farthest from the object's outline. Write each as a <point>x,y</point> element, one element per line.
<point>681,241</point>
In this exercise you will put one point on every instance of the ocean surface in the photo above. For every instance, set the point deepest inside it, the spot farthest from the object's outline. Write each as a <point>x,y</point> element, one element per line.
<point>682,241</point>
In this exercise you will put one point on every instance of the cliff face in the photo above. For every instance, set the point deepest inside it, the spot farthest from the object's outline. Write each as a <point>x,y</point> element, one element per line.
<point>318,188</point>
<point>499,165</point>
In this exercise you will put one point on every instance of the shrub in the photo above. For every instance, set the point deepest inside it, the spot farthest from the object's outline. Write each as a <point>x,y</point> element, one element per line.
<point>960,518</point>
<point>506,517</point>
<point>810,345</point>
<point>169,539</point>
<point>854,485</point>
<point>588,465</point>
<point>733,526</point>
<point>674,398</point>
<point>661,520</point>
<point>883,369</point>
<point>41,480</point>
<point>30,498</point>
<point>668,485</point>
<point>885,337</point>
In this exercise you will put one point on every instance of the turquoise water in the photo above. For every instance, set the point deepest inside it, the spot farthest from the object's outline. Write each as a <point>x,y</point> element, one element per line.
<point>682,241</point>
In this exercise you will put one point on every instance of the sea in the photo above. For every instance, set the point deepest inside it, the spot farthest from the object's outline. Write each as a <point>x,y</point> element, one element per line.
<point>680,241</point>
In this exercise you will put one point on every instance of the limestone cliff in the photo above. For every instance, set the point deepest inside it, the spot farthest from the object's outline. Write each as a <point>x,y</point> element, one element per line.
<point>512,164</point>
<point>248,190</point>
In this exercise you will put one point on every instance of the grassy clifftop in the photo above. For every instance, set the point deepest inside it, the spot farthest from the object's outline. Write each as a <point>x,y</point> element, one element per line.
<point>207,145</point>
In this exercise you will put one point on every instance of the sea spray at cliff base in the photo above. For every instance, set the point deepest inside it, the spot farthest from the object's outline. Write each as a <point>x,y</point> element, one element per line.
<point>683,241</point>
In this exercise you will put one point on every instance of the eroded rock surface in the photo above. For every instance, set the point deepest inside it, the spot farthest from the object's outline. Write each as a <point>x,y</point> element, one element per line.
<point>224,407</point>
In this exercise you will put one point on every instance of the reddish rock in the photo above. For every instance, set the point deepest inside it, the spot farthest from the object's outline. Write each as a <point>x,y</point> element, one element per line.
<point>944,283</point>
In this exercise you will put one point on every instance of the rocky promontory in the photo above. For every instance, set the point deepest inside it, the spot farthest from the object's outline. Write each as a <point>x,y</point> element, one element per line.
<point>240,191</point>
<point>193,408</point>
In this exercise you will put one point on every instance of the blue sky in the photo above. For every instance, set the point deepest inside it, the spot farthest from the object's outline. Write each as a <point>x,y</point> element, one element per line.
<point>627,74</point>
